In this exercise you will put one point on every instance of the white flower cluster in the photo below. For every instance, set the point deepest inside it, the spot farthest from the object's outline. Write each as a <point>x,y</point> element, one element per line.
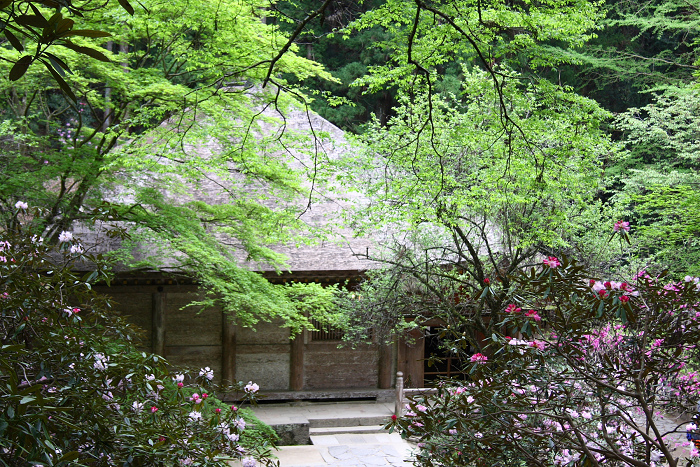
<point>226,431</point>
<point>65,237</point>
<point>207,372</point>
<point>251,387</point>
<point>240,424</point>
<point>100,362</point>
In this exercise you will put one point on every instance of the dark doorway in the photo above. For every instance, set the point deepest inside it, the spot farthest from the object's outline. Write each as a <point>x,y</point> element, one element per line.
<point>440,362</point>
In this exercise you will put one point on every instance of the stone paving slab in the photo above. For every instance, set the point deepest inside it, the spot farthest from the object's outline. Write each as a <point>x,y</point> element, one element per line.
<point>381,450</point>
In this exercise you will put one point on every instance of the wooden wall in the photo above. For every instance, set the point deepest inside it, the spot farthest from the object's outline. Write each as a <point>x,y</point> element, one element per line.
<point>262,356</point>
<point>198,338</point>
<point>327,367</point>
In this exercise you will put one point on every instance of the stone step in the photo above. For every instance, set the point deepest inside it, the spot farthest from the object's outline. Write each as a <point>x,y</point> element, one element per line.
<point>343,430</point>
<point>370,420</point>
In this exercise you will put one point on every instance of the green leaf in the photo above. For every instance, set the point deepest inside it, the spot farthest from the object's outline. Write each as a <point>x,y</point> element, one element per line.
<point>20,68</point>
<point>14,41</point>
<point>127,6</point>
<point>58,64</point>
<point>87,33</point>
<point>64,25</point>
<point>32,21</point>
<point>69,456</point>
<point>61,82</point>
<point>87,51</point>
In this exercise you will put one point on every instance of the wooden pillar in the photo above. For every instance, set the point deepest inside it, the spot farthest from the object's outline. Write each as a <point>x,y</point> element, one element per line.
<point>158,316</point>
<point>410,358</point>
<point>384,370</point>
<point>296,363</point>
<point>398,404</point>
<point>228,349</point>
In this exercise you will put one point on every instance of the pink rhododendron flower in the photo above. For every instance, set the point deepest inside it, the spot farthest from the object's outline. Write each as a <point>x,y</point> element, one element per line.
<point>478,358</point>
<point>621,225</point>
<point>552,262</point>
<point>624,299</point>
<point>533,314</point>
<point>207,372</point>
<point>512,308</point>
<point>538,344</point>
<point>154,409</point>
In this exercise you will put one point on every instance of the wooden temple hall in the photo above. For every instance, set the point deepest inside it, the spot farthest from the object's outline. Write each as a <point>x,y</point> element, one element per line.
<point>309,366</point>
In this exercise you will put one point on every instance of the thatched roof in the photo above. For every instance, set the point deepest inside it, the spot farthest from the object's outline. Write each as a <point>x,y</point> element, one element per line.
<point>338,254</point>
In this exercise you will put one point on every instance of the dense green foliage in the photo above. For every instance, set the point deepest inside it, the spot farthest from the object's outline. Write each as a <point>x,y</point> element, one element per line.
<point>26,26</point>
<point>178,108</point>
<point>347,57</point>
<point>642,47</point>
<point>655,180</point>
<point>474,184</point>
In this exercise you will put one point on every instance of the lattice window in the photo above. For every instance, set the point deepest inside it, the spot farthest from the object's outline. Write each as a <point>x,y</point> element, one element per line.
<point>325,332</point>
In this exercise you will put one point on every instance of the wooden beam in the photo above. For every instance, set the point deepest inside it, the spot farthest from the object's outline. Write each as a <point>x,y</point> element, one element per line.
<point>228,349</point>
<point>158,316</point>
<point>384,372</point>
<point>296,363</point>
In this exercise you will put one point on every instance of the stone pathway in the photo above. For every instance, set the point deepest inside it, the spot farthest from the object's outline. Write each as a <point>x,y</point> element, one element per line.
<point>368,450</point>
<point>677,441</point>
<point>369,447</point>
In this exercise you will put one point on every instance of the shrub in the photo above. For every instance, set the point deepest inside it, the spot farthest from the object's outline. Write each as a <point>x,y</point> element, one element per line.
<point>74,388</point>
<point>580,372</point>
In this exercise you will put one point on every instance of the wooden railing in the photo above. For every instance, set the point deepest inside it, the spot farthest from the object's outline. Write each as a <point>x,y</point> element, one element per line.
<point>403,394</point>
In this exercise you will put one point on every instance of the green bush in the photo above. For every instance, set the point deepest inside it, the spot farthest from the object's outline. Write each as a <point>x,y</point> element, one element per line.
<point>75,390</point>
